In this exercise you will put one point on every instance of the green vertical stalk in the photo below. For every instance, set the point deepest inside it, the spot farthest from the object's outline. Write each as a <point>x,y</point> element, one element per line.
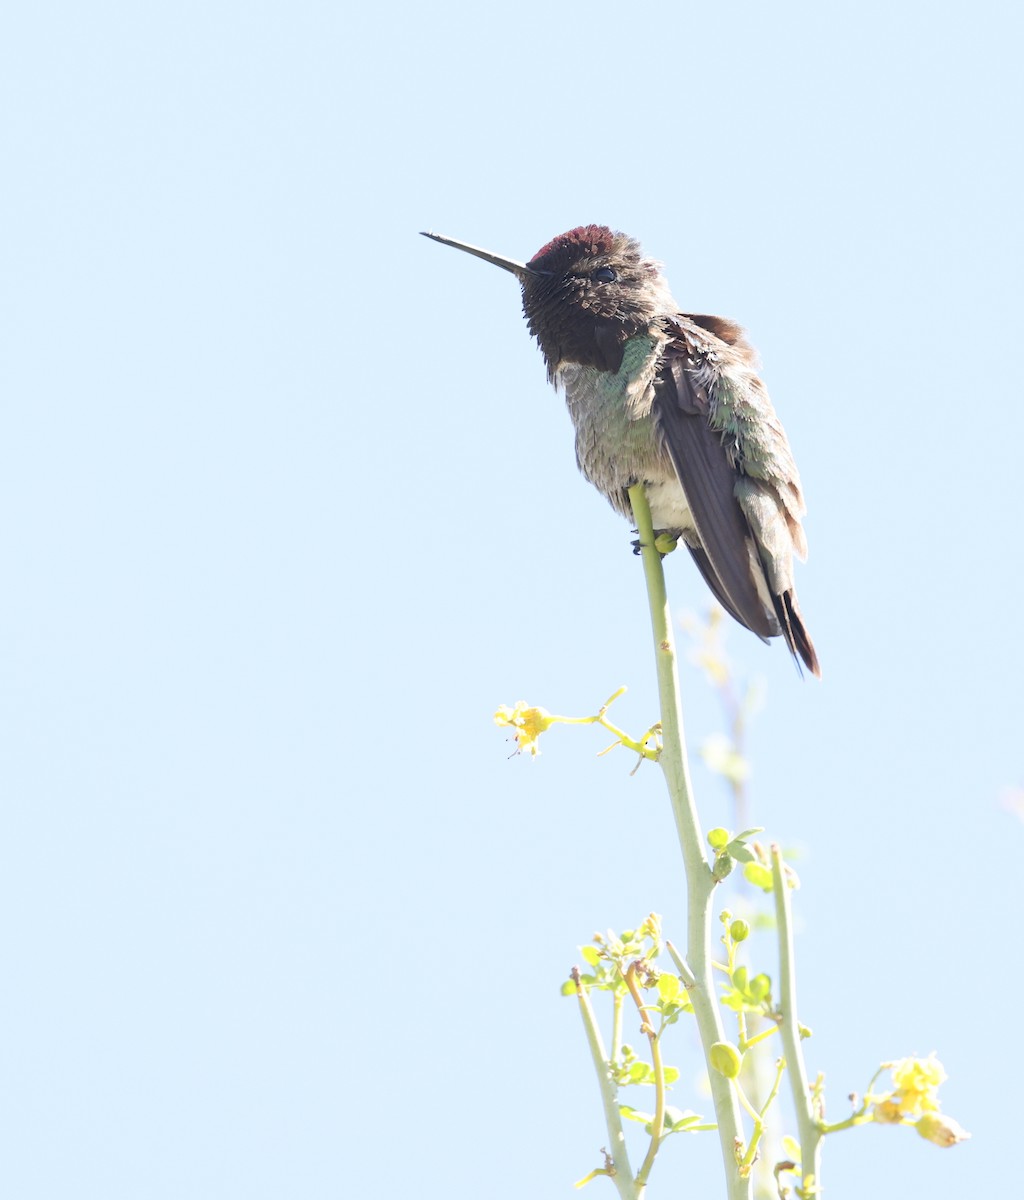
<point>623,1176</point>
<point>699,881</point>
<point>807,1124</point>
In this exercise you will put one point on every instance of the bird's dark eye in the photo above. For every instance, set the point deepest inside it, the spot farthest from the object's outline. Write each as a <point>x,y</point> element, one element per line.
<point>604,275</point>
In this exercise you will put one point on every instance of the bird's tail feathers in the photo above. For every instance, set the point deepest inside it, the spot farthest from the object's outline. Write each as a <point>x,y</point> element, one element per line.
<point>795,632</point>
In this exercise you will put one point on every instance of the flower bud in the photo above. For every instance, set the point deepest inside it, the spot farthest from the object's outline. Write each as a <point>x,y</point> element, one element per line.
<point>722,867</point>
<point>726,1059</point>
<point>887,1112</point>
<point>941,1130</point>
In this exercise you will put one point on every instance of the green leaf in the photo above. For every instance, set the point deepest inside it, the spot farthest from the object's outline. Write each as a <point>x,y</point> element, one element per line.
<point>669,987</point>
<point>747,834</point>
<point>792,1148</point>
<point>733,999</point>
<point>569,988</point>
<point>632,1114</point>
<point>739,978</point>
<point>640,1072</point>
<point>676,1119</point>
<point>760,986</point>
<point>671,1075</point>
<point>591,954</point>
<point>672,1012</point>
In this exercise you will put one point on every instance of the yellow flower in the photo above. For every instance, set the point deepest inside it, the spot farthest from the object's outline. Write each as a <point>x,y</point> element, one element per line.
<point>915,1101</point>
<point>917,1084</point>
<point>943,1131</point>
<point>528,724</point>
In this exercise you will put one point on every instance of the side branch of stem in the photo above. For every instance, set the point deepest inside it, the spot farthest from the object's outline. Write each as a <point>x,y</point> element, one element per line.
<point>808,1127</point>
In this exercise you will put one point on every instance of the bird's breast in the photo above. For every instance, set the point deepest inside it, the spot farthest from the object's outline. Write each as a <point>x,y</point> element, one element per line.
<point>617,442</point>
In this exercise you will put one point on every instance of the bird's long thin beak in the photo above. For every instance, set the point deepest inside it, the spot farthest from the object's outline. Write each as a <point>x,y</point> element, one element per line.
<point>507,264</point>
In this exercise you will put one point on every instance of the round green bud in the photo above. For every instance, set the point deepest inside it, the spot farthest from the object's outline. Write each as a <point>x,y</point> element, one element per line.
<point>723,866</point>
<point>726,1059</point>
<point>718,838</point>
<point>739,930</point>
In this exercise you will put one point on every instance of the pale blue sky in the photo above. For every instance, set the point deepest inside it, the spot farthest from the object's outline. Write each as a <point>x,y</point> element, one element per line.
<point>289,509</point>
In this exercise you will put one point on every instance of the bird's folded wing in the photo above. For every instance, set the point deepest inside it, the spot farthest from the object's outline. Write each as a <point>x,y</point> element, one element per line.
<point>708,478</point>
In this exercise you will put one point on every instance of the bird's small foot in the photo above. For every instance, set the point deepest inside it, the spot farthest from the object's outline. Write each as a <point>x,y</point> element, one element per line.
<point>664,543</point>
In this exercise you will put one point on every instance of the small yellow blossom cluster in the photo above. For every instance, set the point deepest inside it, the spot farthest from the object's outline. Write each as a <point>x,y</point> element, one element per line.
<point>914,1100</point>
<point>528,724</point>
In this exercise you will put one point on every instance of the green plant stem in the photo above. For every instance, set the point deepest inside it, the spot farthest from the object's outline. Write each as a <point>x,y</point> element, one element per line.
<point>617,1000</point>
<point>741,1016</point>
<point>699,881</point>
<point>658,1120</point>
<point>747,1043</point>
<point>808,1127</point>
<point>761,1118</point>
<point>623,1177</point>
<point>861,1116</point>
<point>682,967</point>
<point>638,747</point>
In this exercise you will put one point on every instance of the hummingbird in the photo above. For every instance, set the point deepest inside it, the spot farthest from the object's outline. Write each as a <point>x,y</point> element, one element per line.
<point>673,401</point>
